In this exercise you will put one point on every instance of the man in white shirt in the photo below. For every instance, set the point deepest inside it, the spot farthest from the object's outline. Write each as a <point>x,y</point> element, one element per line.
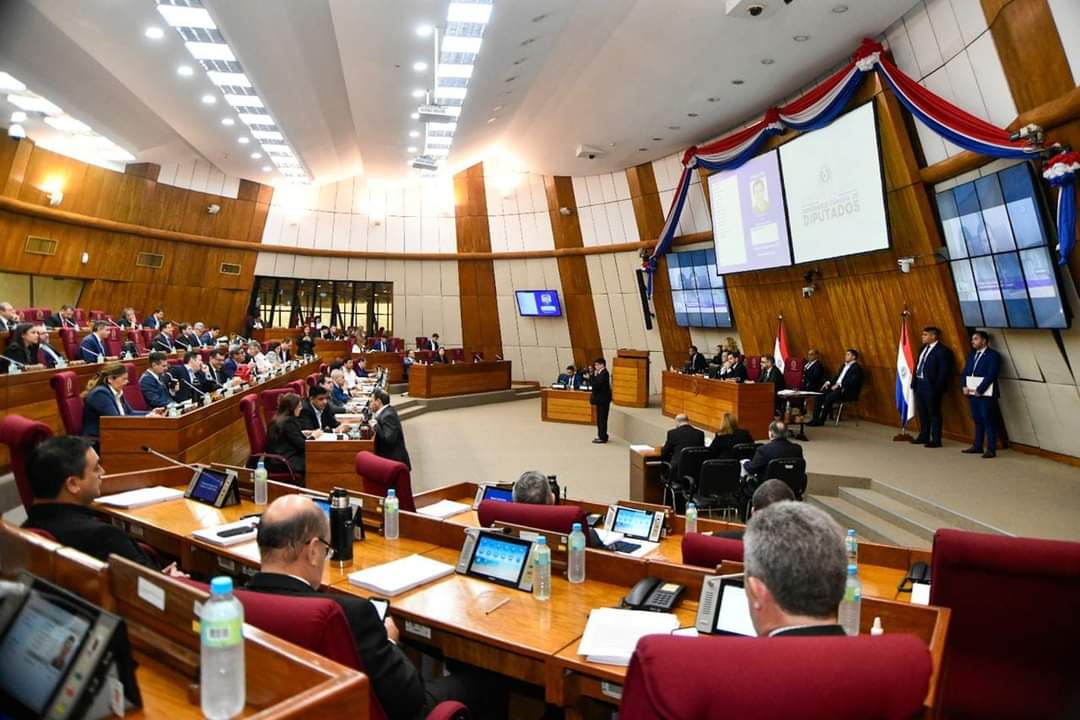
<point>51,356</point>
<point>845,387</point>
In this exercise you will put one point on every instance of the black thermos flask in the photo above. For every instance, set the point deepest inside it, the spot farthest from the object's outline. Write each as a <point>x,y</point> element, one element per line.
<point>341,527</point>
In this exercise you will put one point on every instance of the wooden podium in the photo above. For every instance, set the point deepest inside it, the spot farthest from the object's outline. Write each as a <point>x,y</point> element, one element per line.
<point>630,378</point>
<point>705,401</point>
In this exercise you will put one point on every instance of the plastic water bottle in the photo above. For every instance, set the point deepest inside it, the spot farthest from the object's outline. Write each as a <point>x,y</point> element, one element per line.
<point>691,518</point>
<point>260,483</point>
<point>849,606</point>
<point>390,515</point>
<point>575,571</point>
<point>542,570</point>
<point>852,548</point>
<point>222,679</point>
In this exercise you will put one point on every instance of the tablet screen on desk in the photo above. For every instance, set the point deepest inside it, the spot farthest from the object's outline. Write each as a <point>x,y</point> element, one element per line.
<point>501,559</point>
<point>208,486</point>
<point>632,522</point>
<point>498,494</point>
<point>733,617</point>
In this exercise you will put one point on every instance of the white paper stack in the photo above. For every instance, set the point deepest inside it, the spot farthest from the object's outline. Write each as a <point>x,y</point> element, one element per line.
<point>642,448</point>
<point>141,497</point>
<point>394,578</point>
<point>612,634</point>
<point>211,535</point>
<point>443,509</point>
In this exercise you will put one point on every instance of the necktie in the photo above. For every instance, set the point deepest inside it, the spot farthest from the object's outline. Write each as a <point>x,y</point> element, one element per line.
<point>975,363</point>
<point>922,361</point>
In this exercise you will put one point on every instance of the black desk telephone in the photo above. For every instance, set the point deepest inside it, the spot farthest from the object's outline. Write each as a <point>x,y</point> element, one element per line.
<point>652,593</point>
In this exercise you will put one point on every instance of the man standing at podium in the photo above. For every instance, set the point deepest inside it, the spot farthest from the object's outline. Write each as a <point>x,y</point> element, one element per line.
<point>601,398</point>
<point>980,383</point>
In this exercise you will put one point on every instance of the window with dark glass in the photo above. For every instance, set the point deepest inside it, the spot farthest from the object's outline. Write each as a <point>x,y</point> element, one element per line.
<point>286,302</point>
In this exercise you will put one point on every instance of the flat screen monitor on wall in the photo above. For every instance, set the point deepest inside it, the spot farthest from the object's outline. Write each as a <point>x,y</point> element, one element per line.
<point>750,229</point>
<point>834,187</point>
<point>538,303</point>
<point>1001,264</point>
<point>697,292</point>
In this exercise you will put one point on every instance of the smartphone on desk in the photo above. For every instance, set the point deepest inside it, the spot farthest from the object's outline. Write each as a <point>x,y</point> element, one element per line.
<point>382,606</point>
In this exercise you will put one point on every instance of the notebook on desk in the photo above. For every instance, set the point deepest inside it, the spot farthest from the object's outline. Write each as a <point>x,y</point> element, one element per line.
<point>612,634</point>
<point>141,497</point>
<point>394,578</point>
<point>443,509</point>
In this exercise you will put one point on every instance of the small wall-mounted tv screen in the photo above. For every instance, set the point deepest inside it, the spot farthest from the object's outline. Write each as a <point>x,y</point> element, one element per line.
<point>538,303</point>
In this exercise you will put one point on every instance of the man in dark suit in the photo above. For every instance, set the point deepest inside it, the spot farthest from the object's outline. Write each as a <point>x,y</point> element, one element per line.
<point>316,413</point>
<point>930,383</point>
<point>771,374</point>
<point>214,372</point>
<point>845,387</point>
<point>294,545</point>
<point>796,570</point>
<point>156,384</point>
<point>163,341</point>
<point>778,448</point>
<point>192,382</point>
<point>50,356</point>
<point>389,437</point>
<point>380,345</point>
<point>9,317</point>
<point>696,362</point>
<point>64,318</point>
<point>737,372</point>
<point>92,348</point>
<point>156,320</point>
<point>65,477</point>
<point>813,374</point>
<point>570,379</point>
<point>683,435</point>
<point>236,358</point>
<point>600,396</point>
<point>187,339</point>
<point>980,383</point>
<point>433,343</point>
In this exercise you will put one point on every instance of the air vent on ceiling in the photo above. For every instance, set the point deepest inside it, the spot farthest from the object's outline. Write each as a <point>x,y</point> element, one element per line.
<point>230,269</point>
<point>36,245</point>
<point>149,260</point>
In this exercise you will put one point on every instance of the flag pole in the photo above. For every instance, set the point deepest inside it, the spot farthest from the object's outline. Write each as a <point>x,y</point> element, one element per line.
<point>903,435</point>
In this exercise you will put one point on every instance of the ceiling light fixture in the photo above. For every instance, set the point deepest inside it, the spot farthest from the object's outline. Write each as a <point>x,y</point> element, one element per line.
<point>801,38</point>
<point>469,12</point>
<point>691,114</point>
<point>234,79</point>
<point>244,101</point>
<point>16,131</point>
<point>256,155</point>
<point>418,93</point>
<point>34,103</point>
<point>209,99</point>
<point>411,148</point>
<point>657,139</point>
<point>8,82</point>
<point>767,61</point>
<point>267,135</point>
<point>491,120</point>
<point>154,32</point>
<point>414,133</point>
<point>228,122</point>
<point>68,124</point>
<point>527,41</point>
<point>643,149</point>
<point>713,99</point>
<point>419,66</point>
<point>243,140</point>
<point>266,168</point>
<point>185,71</point>
<point>210,51</point>
<point>672,127</point>
<point>179,16</point>
<point>519,61</point>
<point>424,30</point>
<point>737,82</point>
<point>18,116</point>
<point>840,9</point>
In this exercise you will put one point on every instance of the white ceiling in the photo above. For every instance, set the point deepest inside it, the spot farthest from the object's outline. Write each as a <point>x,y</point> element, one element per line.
<point>337,76</point>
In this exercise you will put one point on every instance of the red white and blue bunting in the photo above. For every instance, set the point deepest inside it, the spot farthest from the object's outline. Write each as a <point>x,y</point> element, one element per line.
<point>819,107</point>
<point>1061,173</point>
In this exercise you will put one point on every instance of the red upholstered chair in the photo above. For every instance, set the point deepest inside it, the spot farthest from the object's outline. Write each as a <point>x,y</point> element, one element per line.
<point>553,518</point>
<point>136,337</point>
<point>753,367</point>
<point>70,343</point>
<point>421,343</point>
<point>312,380</point>
<point>175,361</point>
<point>423,356</point>
<point>256,433</point>
<point>97,315</point>
<point>113,348</point>
<point>42,533</point>
<point>708,551</point>
<point>456,354</point>
<point>69,403</point>
<point>204,353</point>
<point>131,391</point>
<point>1013,634</point>
<point>79,316</point>
<point>793,371</point>
<point>268,399</point>
<point>22,435</point>
<point>324,368</point>
<point>397,344</point>
<point>824,678</point>
<point>378,474</point>
<point>147,337</point>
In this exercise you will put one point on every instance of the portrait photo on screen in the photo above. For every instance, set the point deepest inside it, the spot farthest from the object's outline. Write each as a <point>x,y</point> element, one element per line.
<point>749,223</point>
<point>833,184</point>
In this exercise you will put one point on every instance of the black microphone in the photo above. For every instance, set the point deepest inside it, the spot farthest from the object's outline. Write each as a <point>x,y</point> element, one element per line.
<point>192,387</point>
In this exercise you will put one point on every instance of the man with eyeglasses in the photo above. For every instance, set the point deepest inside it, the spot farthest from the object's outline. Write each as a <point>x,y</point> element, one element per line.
<point>294,544</point>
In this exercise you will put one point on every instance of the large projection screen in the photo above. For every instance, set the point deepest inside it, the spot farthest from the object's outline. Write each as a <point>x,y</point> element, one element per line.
<point>834,189</point>
<point>749,223</point>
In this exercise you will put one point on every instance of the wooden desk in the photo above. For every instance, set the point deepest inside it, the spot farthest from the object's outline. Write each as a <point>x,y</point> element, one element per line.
<point>392,361</point>
<point>645,476</point>
<point>276,334</point>
<point>568,406</point>
<point>630,378</point>
<point>332,350</point>
<point>331,463</point>
<point>214,433</point>
<point>705,401</point>
<point>439,380</point>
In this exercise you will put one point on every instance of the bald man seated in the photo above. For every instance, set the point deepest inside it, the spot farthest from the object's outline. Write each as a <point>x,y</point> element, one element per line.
<point>294,542</point>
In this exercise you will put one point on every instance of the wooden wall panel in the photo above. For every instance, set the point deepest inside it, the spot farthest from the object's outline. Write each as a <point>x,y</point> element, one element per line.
<point>480,331</point>
<point>573,272</point>
<point>649,214</point>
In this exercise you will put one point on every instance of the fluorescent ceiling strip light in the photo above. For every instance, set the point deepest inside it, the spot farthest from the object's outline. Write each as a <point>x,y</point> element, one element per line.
<point>267,135</point>
<point>9,82</point>
<point>180,17</point>
<point>454,70</point>
<point>210,51</point>
<point>34,103</point>
<point>278,149</point>
<point>255,119</point>
<point>457,93</point>
<point>468,13</point>
<point>253,101</point>
<point>227,78</point>
<point>440,151</point>
<point>66,123</point>
<point>451,43</point>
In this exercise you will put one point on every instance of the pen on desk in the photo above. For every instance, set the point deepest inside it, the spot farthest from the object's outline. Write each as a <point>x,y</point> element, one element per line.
<point>496,606</point>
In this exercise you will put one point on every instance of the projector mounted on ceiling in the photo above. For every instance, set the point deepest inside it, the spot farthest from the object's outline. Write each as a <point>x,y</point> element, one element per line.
<point>435,113</point>
<point>589,152</point>
<point>424,162</point>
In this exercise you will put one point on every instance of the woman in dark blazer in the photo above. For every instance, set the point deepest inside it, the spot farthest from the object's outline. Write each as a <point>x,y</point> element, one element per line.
<point>23,347</point>
<point>285,435</point>
<point>441,357</point>
<point>105,396</point>
<point>727,437</point>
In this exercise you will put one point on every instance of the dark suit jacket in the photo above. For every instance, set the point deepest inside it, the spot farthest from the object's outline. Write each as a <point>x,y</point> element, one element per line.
<point>810,630</point>
<point>852,381</point>
<point>737,373</point>
<point>229,368</point>
<point>774,376</point>
<point>380,345</point>
<point>601,388</point>
<point>309,419</point>
<point>151,322</point>
<point>678,438</point>
<point>696,364</point>
<point>389,438</point>
<point>101,401</point>
<point>396,683</point>
<point>206,340</point>
<point>55,321</point>
<point>91,347</point>
<point>49,360</point>
<point>936,370</point>
<point>780,448</point>
<point>570,381</point>
<point>213,379</point>
<point>723,445</point>
<point>287,440</point>
<point>163,343</point>
<point>24,355</point>
<point>339,395</point>
<point>813,377</point>
<point>432,345</point>
<point>184,392</point>
<point>77,526</point>
<point>188,342</point>
<point>988,368</point>
<point>154,391</point>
